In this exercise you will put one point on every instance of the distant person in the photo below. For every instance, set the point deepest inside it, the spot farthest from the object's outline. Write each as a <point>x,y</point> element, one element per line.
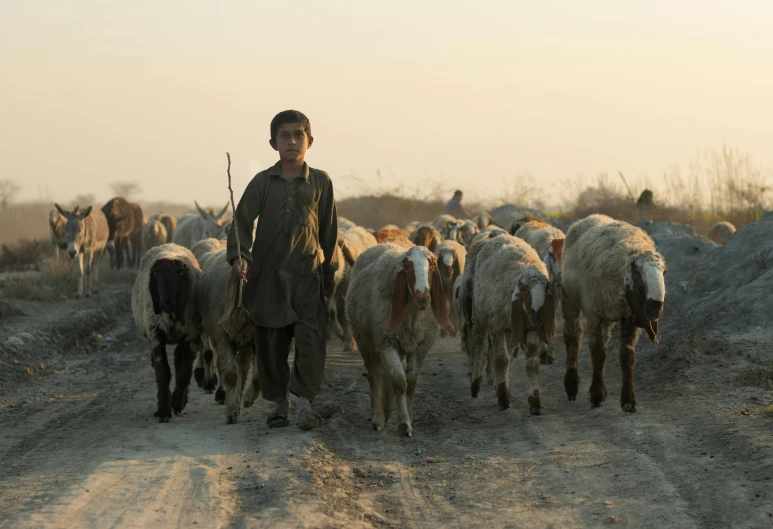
<point>454,206</point>
<point>288,270</point>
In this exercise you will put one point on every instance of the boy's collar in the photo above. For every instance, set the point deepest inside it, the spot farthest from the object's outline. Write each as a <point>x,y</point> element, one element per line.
<point>276,170</point>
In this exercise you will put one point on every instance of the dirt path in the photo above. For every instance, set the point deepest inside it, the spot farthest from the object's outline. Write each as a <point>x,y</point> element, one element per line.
<point>79,448</point>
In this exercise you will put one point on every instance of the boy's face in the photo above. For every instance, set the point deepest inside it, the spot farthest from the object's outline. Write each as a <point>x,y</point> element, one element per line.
<point>291,142</point>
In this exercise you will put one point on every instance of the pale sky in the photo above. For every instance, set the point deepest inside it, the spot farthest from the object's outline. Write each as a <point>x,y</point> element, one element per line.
<point>469,94</point>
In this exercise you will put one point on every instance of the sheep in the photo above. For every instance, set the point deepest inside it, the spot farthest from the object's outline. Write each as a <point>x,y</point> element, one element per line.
<point>120,222</point>
<point>356,240</point>
<point>412,226</point>
<point>428,237</point>
<point>169,222</point>
<point>468,232</point>
<point>226,325</point>
<point>194,228</point>
<point>487,234</point>
<point>153,234</point>
<point>345,224</point>
<point>483,220</point>
<point>204,372</point>
<point>512,295</point>
<point>611,273</point>
<point>387,233</point>
<point>515,226</point>
<point>548,241</point>
<point>392,286</point>
<point>451,256</point>
<point>57,232</point>
<point>448,227</point>
<point>720,232</point>
<point>87,233</point>
<point>164,310</point>
<point>135,239</point>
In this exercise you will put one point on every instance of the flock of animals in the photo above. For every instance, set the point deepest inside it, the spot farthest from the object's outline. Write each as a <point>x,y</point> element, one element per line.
<point>397,289</point>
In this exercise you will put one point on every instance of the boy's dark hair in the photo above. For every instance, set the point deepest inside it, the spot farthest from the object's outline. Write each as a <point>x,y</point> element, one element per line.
<point>289,116</point>
<point>458,192</point>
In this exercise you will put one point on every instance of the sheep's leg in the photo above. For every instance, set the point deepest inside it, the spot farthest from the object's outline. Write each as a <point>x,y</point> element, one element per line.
<point>163,378</point>
<point>229,374</point>
<point>378,415</point>
<point>210,377</point>
<point>572,340</point>
<point>490,364</point>
<point>399,386</point>
<point>412,368</point>
<point>630,335</point>
<point>249,375</point>
<point>349,343</point>
<point>501,358</point>
<point>532,372</point>
<point>220,392</point>
<point>198,371</point>
<point>547,354</point>
<point>80,275</point>
<point>599,336</point>
<point>478,343</point>
<point>183,368</point>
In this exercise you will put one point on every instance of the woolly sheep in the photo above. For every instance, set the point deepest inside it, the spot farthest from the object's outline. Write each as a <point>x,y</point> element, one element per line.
<point>153,234</point>
<point>721,232</point>
<point>226,325</point>
<point>388,234</point>
<point>448,226</point>
<point>164,309</point>
<point>483,220</point>
<point>86,233</point>
<point>611,273</point>
<point>512,295</point>
<point>392,286</point>
<point>345,224</point>
<point>468,232</point>
<point>428,237</point>
<point>548,241</point>
<point>488,234</point>
<point>451,256</point>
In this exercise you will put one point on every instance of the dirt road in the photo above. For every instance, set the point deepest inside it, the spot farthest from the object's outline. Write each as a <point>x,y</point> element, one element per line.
<point>79,448</point>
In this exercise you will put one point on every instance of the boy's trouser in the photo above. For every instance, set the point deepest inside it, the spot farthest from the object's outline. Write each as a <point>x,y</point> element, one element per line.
<point>273,348</point>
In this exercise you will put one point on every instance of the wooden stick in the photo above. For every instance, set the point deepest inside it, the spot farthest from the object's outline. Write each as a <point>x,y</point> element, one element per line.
<point>233,210</point>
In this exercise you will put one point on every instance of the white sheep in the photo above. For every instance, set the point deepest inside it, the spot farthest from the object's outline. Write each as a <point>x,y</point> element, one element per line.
<point>226,325</point>
<point>448,226</point>
<point>392,287</point>
<point>483,220</point>
<point>548,241</point>
<point>164,309</point>
<point>488,233</point>
<point>451,257</point>
<point>345,224</point>
<point>611,273</point>
<point>153,234</point>
<point>720,232</point>
<point>512,296</point>
<point>468,232</point>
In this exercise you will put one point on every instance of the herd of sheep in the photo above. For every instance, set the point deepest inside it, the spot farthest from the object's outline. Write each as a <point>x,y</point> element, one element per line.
<point>397,290</point>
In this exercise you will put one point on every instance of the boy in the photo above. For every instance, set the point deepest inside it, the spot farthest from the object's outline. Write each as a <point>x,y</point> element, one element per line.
<point>289,269</point>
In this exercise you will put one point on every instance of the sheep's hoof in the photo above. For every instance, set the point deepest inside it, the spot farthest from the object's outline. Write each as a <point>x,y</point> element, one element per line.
<point>597,402</point>
<point>490,382</point>
<point>163,415</point>
<point>475,387</point>
<point>231,418</point>
<point>629,407</point>
<point>504,407</point>
<point>198,376</point>
<point>535,406</point>
<point>377,427</point>
<point>179,400</point>
<point>220,396</point>
<point>571,383</point>
<point>404,430</point>
<point>534,410</point>
<point>547,360</point>
<point>211,384</point>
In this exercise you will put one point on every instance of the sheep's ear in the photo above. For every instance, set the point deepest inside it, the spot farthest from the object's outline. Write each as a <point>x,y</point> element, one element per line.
<point>456,271</point>
<point>557,245</point>
<point>222,211</point>
<point>60,210</point>
<point>517,321</point>
<point>85,213</point>
<point>399,301</point>
<point>154,293</point>
<point>182,295</point>
<point>348,256</point>
<point>433,243</point>
<point>438,300</point>
<point>201,211</point>
<point>548,327</point>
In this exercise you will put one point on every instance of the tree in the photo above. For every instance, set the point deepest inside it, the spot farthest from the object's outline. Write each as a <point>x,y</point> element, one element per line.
<point>126,189</point>
<point>83,200</point>
<point>8,191</point>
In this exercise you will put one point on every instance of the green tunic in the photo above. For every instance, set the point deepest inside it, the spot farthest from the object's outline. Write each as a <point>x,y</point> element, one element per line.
<point>294,244</point>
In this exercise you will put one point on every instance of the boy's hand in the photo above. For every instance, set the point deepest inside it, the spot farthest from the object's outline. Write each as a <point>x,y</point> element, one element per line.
<point>238,272</point>
<point>329,286</point>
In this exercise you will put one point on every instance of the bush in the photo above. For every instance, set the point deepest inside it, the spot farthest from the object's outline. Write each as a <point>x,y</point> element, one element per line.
<point>24,254</point>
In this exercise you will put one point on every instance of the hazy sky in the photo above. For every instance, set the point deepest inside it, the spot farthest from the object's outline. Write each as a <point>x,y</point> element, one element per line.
<point>470,94</point>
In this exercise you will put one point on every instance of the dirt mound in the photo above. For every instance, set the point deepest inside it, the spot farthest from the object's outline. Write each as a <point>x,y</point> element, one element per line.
<point>717,288</point>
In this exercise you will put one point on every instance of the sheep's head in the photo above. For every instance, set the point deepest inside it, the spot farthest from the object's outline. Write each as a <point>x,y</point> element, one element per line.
<point>532,307</point>
<point>419,279</point>
<point>645,290</point>
<point>554,257</point>
<point>75,229</point>
<point>469,230</point>
<point>453,230</point>
<point>169,287</point>
<point>484,219</point>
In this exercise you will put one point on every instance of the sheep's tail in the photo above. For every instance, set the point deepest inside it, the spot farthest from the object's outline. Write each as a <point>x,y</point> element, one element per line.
<point>233,289</point>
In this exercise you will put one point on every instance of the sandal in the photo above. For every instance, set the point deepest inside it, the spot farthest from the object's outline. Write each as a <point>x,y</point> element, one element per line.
<point>309,419</point>
<point>277,419</point>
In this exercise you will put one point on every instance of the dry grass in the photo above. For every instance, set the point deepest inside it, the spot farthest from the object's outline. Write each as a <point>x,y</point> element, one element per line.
<point>759,373</point>
<point>24,254</point>
<point>763,411</point>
